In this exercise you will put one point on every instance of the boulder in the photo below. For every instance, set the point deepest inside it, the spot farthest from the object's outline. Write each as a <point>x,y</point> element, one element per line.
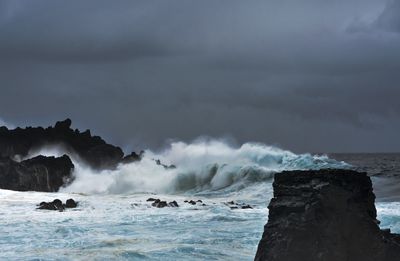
<point>159,204</point>
<point>173,204</point>
<point>70,203</point>
<point>325,215</point>
<point>54,205</point>
<point>58,205</point>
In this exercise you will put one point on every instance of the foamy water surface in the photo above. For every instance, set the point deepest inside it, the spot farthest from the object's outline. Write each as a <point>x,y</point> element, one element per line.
<point>115,222</point>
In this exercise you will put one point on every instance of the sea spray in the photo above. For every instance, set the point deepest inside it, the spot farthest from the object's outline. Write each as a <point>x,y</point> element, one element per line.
<point>203,165</point>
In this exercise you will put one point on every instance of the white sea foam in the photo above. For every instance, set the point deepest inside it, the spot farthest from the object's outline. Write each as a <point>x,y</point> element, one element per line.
<point>203,165</point>
<point>114,221</point>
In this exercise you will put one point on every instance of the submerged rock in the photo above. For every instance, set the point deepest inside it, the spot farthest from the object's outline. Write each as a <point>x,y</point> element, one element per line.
<point>41,173</point>
<point>325,215</point>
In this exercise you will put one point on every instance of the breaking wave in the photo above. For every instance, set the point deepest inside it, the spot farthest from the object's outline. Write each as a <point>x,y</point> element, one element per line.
<point>204,165</point>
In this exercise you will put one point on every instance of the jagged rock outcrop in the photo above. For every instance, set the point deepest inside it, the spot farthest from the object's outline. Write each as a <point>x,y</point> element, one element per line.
<point>92,149</point>
<point>49,173</point>
<point>41,173</point>
<point>325,215</point>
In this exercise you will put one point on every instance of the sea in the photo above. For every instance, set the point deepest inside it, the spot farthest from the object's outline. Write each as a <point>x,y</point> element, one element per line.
<point>114,220</point>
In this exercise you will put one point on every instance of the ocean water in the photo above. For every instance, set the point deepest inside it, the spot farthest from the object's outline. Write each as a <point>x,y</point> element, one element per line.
<point>115,222</point>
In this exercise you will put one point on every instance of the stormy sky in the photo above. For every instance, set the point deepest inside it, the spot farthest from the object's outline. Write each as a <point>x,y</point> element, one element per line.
<point>306,75</point>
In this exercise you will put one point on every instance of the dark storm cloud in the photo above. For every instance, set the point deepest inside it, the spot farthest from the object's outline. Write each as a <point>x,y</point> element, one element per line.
<point>306,75</point>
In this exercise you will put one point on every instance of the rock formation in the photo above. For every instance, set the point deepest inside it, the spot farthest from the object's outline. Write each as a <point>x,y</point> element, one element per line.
<point>92,149</point>
<point>41,173</point>
<point>158,203</point>
<point>50,173</point>
<point>58,205</point>
<point>325,215</point>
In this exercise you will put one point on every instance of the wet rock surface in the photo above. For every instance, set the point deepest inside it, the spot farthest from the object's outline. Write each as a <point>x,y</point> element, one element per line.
<point>58,205</point>
<point>158,203</point>
<point>325,215</point>
<point>236,205</point>
<point>41,173</point>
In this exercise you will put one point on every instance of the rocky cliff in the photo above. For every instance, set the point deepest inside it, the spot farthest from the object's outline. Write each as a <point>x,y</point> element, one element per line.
<point>325,215</point>
<point>41,173</point>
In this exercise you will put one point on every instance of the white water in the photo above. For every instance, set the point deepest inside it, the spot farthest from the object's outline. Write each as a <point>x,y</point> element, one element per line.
<point>206,165</point>
<point>114,221</point>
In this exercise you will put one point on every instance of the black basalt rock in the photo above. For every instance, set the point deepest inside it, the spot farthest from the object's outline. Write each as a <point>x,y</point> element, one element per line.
<point>173,204</point>
<point>159,204</point>
<point>58,205</point>
<point>54,205</point>
<point>92,149</point>
<point>49,173</point>
<point>41,173</point>
<point>70,203</point>
<point>133,157</point>
<point>325,215</point>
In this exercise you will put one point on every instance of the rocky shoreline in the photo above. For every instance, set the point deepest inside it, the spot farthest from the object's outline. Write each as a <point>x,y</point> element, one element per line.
<point>49,174</point>
<point>325,215</point>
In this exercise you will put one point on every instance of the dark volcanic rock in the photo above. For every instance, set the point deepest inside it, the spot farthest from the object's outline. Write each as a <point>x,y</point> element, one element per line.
<point>92,149</point>
<point>41,173</point>
<point>325,215</point>
<point>133,157</point>
<point>70,203</point>
<point>173,204</point>
<point>54,205</point>
<point>58,205</point>
<point>159,204</point>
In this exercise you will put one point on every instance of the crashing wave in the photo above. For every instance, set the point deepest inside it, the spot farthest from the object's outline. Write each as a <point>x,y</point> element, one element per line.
<point>204,165</point>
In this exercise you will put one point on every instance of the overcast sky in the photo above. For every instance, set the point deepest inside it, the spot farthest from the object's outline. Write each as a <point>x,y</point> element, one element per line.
<point>307,75</point>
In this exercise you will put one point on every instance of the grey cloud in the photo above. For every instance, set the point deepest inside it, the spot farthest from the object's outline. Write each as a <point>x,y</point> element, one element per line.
<point>390,18</point>
<point>289,73</point>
